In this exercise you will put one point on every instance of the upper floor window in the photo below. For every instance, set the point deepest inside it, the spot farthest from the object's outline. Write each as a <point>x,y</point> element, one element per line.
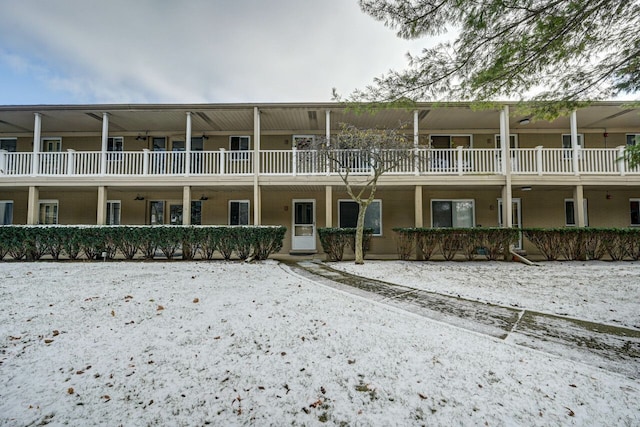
<point>633,139</point>
<point>568,149</point>
<point>453,213</point>
<point>451,141</point>
<point>9,144</point>
<point>303,142</point>
<point>570,213</point>
<point>51,145</point>
<point>348,215</point>
<point>239,143</point>
<point>115,143</point>
<point>634,205</point>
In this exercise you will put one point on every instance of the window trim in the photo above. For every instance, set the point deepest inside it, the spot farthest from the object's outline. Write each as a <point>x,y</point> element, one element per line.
<point>496,137</point>
<point>636,139</point>
<point>164,212</point>
<point>248,203</point>
<point>637,200</point>
<point>473,207</point>
<point>111,140</point>
<point>585,209</point>
<point>50,138</point>
<point>55,202</point>
<point>379,201</point>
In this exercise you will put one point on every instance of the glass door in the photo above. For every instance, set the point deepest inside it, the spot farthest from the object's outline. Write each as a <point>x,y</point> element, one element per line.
<point>304,225</point>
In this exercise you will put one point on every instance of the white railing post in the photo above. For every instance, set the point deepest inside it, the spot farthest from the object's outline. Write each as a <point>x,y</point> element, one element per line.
<point>145,161</point>
<point>71,165</point>
<point>105,139</point>
<point>294,160</point>
<point>539,159</point>
<point>573,123</point>
<point>460,162</point>
<point>37,127</point>
<point>3,162</point>
<point>187,147</point>
<point>621,161</point>
<point>222,161</point>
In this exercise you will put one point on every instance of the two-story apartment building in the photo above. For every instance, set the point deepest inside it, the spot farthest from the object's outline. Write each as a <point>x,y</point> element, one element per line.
<point>252,164</point>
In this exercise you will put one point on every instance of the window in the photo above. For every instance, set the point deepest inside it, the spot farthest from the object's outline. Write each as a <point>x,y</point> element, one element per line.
<point>6,212</point>
<point>8,144</point>
<point>159,143</point>
<point>51,145</point>
<point>48,212</point>
<point>115,143</point>
<point>238,212</point>
<point>566,144</point>
<point>451,141</point>
<point>239,143</point>
<point>113,212</point>
<point>513,139</point>
<point>634,205</point>
<point>633,139</point>
<point>570,214</point>
<point>156,212</point>
<point>452,213</point>
<point>196,212</point>
<point>348,215</point>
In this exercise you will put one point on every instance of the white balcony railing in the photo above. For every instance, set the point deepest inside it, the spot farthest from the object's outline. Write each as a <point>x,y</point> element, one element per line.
<point>458,161</point>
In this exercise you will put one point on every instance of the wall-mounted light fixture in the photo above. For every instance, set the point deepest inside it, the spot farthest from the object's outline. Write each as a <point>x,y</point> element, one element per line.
<point>203,197</point>
<point>139,197</point>
<point>525,121</point>
<point>527,188</point>
<point>204,137</point>
<point>141,137</point>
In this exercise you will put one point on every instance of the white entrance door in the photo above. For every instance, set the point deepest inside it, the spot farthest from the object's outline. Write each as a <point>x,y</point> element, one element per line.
<point>516,214</point>
<point>304,225</point>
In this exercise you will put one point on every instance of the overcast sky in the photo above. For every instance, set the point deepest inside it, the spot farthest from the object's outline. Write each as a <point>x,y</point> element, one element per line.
<point>139,51</point>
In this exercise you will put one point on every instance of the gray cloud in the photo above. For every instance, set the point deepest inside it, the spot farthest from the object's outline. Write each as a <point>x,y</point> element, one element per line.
<point>197,51</point>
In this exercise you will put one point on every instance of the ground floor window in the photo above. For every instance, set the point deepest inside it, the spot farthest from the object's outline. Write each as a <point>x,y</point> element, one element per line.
<point>48,212</point>
<point>6,212</point>
<point>453,213</point>
<point>113,212</point>
<point>196,212</point>
<point>238,212</point>
<point>634,205</point>
<point>570,213</point>
<point>348,215</point>
<point>156,212</point>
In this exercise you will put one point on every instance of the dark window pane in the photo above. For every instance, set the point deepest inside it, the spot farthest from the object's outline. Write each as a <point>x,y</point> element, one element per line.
<point>441,211</point>
<point>348,212</point>
<point>635,212</point>
<point>569,212</point>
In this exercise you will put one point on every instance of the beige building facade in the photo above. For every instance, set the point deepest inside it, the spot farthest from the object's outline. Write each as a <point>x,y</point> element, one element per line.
<point>254,164</point>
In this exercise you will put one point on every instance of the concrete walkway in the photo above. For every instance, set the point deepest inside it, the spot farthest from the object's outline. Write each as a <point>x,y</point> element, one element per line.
<point>608,347</point>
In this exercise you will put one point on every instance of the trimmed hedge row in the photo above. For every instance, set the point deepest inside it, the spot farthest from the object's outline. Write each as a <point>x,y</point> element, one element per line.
<point>586,243</point>
<point>471,242</point>
<point>335,240</point>
<point>91,242</point>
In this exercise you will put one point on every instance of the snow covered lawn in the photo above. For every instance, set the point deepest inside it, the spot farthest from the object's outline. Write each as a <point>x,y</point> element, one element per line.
<point>597,291</point>
<point>218,343</point>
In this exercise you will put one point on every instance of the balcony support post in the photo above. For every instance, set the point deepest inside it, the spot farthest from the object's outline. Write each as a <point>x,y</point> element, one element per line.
<point>573,123</point>
<point>101,211</point>
<point>105,140</point>
<point>187,148</point>
<point>257,205</point>
<point>71,162</point>
<point>186,205</point>
<point>578,203</point>
<point>145,161</point>
<point>460,159</point>
<point>539,160</point>
<point>37,130</point>
<point>328,205</point>
<point>505,144</point>
<point>32,205</point>
<point>3,162</point>
<point>416,141</point>
<point>621,161</point>
<point>327,164</point>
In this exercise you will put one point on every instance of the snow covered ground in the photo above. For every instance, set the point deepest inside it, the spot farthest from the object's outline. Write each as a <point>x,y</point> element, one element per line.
<point>603,292</point>
<point>176,343</point>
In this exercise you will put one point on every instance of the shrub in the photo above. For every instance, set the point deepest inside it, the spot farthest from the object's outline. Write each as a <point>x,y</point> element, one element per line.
<point>335,240</point>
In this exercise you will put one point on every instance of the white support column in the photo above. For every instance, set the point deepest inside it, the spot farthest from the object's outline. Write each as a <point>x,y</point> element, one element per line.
<point>186,205</point>
<point>573,123</point>
<point>327,131</point>
<point>416,141</point>
<point>33,205</point>
<point>578,205</point>
<point>328,204</point>
<point>101,217</point>
<point>505,144</point>
<point>37,130</point>
<point>105,139</point>
<point>257,205</point>
<point>418,213</point>
<point>187,147</point>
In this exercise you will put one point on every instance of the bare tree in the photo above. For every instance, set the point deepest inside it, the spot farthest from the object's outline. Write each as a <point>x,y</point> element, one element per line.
<point>360,157</point>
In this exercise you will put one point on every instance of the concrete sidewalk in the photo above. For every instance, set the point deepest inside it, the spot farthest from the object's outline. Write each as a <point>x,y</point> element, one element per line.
<point>608,347</point>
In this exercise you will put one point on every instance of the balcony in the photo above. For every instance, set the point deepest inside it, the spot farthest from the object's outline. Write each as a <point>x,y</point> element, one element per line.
<point>458,161</point>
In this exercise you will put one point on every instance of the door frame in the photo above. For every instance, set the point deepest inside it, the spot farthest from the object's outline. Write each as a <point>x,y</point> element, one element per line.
<point>311,239</point>
<point>518,202</point>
